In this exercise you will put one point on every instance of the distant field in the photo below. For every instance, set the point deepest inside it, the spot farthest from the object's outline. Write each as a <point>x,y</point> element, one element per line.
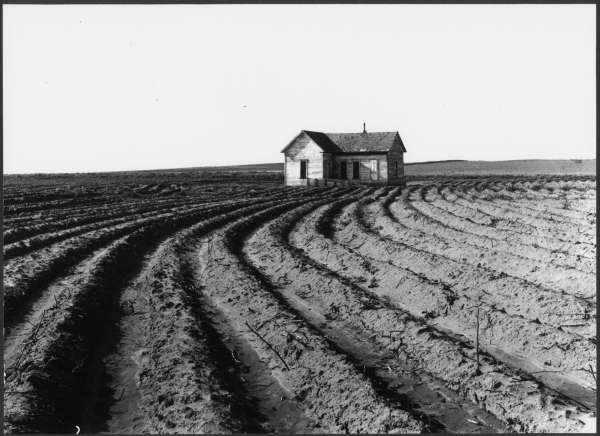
<point>272,173</point>
<point>520,167</point>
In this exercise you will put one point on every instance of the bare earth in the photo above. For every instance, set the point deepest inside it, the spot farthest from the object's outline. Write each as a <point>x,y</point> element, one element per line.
<point>203,306</point>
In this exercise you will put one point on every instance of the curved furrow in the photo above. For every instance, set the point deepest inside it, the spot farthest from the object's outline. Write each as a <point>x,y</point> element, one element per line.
<point>506,201</point>
<point>543,209</point>
<point>453,294</point>
<point>505,221</point>
<point>403,212</point>
<point>165,334</point>
<point>74,200</point>
<point>96,215</point>
<point>62,340</point>
<point>128,203</point>
<point>530,200</point>
<point>25,277</point>
<point>479,236</point>
<point>523,404</point>
<point>133,204</point>
<point>330,390</point>
<point>525,277</point>
<point>390,272</point>
<point>442,210</point>
<point>522,223</point>
<point>36,242</point>
<point>560,204</point>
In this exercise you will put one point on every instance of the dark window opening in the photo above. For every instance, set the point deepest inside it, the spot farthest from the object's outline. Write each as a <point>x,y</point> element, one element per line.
<point>355,170</point>
<point>303,166</point>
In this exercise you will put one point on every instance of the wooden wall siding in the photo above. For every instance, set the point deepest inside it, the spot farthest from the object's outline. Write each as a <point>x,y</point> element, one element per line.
<point>394,156</point>
<point>364,166</point>
<point>303,148</point>
<point>327,166</point>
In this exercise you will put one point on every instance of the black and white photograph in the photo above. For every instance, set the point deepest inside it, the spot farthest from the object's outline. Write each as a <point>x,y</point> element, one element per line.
<point>301,218</point>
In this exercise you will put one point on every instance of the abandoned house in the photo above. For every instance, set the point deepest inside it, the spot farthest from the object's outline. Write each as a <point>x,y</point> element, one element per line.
<point>315,158</point>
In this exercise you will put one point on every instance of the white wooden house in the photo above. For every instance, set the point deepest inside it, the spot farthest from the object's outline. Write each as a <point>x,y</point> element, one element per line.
<point>322,158</point>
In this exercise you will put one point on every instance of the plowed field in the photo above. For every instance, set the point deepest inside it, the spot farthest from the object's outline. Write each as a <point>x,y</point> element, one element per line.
<point>452,305</point>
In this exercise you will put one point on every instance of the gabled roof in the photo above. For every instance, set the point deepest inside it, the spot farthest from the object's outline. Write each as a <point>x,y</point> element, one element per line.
<point>364,142</point>
<point>323,141</point>
<point>374,142</point>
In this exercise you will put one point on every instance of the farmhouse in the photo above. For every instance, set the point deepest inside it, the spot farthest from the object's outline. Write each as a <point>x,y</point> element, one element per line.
<point>315,158</point>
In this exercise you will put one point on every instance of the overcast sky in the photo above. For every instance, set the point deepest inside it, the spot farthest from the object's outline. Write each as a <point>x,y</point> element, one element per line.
<point>113,87</point>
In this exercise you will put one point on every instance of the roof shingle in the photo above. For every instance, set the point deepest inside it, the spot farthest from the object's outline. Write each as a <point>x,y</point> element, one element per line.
<point>365,142</point>
<point>361,142</point>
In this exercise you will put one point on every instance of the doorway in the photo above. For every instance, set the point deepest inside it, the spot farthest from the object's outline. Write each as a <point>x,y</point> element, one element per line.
<point>303,167</point>
<point>343,170</point>
<point>355,170</point>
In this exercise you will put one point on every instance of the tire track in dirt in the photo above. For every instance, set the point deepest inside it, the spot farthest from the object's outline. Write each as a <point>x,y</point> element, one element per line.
<point>432,350</point>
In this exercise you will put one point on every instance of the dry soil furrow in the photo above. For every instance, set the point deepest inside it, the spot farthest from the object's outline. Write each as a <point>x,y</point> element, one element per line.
<point>553,203</point>
<point>467,220</point>
<point>560,203</point>
<point>54,376</point>
<point>523,404</point>
<point>330,390</point>
<point>539,208</point>
<point>432,298</point>
<point>64,218</point>
<point>480,235</point>
<point>521,222</point>
<point>503,220</point>
<point>506,200</point>
<point>403,212</point>
<point>171,371</point>
<point>25,277</point>
<point>97,215</point>
<point>32,243</point>
<point>452,295</point>
<point>521,278</point>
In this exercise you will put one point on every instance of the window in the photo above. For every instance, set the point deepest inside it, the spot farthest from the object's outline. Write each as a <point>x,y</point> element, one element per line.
<point>303,168</point>
<point>374,169</point>
<point>396,169</point>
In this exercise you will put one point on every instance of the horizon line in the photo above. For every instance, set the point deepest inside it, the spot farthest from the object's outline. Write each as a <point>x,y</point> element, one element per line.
<point>273,163</point>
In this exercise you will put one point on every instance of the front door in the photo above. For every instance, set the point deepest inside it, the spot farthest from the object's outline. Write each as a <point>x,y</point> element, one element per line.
<point>303,166</point>
<point>343,172</point>
<point>355,170</point>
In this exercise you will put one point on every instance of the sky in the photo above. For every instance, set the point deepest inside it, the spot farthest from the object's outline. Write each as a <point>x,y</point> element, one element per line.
<point>125,87</point>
